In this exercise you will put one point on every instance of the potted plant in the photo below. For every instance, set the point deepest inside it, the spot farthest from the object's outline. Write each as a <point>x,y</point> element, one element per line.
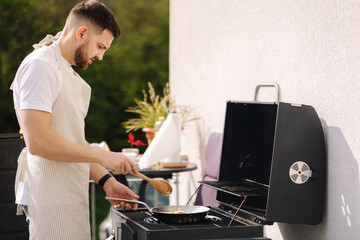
<point>152,109</point>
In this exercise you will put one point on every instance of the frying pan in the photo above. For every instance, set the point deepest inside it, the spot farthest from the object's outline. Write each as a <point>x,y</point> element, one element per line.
<point>165,214</point>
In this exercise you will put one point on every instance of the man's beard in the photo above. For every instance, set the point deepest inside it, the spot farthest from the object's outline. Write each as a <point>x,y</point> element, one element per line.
<point>81,58</point>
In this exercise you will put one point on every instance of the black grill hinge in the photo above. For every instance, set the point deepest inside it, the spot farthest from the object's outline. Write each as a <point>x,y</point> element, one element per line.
<point>263,222</point>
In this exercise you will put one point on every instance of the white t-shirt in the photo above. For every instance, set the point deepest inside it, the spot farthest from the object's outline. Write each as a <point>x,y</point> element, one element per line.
<point>37,85</point>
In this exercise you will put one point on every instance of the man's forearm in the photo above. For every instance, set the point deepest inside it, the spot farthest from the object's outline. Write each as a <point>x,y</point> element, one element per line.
<point>56,148</point>
<point>41,141</point>
<point>97,172</point>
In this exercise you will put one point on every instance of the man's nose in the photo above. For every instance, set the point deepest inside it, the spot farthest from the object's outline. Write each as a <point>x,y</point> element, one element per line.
<point>99,56</point>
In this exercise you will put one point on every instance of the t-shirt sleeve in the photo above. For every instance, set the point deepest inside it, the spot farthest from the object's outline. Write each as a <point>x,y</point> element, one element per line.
<point>39,86</point>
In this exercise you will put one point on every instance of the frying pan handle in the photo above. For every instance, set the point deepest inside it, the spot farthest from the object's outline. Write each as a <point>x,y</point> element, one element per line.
<point>275,85</point>
<point>130,200</point>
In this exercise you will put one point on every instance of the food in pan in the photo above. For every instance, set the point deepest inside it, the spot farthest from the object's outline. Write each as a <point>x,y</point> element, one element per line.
<point>176,211</point>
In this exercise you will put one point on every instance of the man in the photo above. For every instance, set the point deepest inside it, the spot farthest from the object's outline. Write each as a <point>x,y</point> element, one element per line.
<point>51,102</point>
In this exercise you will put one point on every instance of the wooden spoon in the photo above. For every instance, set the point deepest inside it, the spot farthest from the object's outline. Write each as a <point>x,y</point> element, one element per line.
<point>160,185</point>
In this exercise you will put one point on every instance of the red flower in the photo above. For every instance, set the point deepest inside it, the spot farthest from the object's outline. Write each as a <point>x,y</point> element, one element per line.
<point>132,141</point>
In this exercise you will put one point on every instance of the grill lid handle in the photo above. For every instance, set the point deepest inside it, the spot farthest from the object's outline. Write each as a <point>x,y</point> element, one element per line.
<point>275,85</point>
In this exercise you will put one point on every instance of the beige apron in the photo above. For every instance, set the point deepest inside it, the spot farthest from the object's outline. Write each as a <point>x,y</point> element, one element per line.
<point>58,191</point>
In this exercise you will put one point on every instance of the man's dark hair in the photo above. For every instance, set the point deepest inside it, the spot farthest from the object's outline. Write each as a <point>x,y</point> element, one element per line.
<point>98,14</point>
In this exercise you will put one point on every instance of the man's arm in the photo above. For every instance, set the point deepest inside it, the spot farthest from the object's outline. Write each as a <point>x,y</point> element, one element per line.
<point>40,141</point>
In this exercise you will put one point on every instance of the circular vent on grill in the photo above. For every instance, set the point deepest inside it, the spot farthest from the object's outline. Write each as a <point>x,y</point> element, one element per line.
<point>299,172</point>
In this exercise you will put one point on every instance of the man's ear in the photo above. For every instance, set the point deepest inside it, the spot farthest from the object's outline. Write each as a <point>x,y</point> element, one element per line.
<point>81,32</point>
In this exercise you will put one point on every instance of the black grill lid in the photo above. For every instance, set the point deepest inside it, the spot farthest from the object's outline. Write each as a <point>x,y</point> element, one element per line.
<point>278,147</point>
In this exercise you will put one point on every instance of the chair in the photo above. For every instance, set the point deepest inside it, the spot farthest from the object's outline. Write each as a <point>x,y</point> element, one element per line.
<point>207,196</point>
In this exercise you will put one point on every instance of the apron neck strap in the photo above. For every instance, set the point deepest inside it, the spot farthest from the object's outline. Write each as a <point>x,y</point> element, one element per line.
<point>47,41</point>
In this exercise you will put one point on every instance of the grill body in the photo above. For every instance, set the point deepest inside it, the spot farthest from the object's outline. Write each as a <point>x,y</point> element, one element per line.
<point>273,169</point>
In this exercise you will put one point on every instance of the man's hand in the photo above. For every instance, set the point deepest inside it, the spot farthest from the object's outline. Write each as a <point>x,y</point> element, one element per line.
<point>115,189</point>
<point>118,163</point>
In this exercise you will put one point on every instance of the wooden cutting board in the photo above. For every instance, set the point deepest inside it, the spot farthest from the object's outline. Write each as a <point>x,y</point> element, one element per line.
<point>172,165</point>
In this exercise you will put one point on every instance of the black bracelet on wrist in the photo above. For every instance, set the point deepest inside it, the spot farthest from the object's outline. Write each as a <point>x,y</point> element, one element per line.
<point>103,180</point>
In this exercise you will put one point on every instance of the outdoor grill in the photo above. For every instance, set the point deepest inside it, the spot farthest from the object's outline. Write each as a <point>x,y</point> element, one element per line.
<point>272,169</point>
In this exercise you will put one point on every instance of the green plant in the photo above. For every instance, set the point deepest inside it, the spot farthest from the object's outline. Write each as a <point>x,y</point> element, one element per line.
<point>151,111</point>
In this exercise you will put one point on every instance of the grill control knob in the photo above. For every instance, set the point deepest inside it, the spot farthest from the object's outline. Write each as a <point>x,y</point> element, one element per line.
<point>299,172</point>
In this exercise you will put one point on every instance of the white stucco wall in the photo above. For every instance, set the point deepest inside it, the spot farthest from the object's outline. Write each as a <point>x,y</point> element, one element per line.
<point>220,50</point>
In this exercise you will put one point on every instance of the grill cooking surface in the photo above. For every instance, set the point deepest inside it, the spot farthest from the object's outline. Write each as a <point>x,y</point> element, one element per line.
<point>239,188</point>
<point>213,220</point>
